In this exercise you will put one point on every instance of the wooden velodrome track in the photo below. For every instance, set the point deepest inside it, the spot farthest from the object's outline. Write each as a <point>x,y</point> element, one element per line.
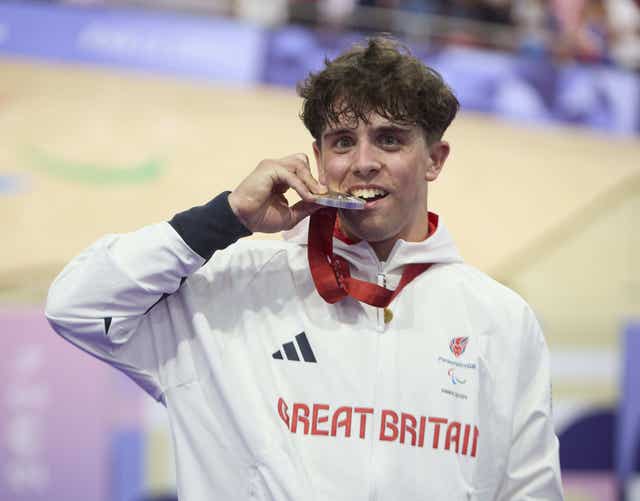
<point>98,151</point>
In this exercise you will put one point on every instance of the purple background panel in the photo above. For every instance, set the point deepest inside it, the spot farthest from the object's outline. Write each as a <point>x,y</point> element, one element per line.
<point>513,86</point>
<point>628,436</point>
<point>587,443</point>
<point>182,45</point>
<point>590,486</point>
<point>58,409</point>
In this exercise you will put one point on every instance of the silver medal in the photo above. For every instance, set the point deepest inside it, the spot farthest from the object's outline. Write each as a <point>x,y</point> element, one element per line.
<point>340,201</point>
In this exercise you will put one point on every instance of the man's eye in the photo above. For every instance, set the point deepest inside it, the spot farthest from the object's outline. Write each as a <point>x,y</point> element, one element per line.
<point>344,142</point>
<point>389,140</point>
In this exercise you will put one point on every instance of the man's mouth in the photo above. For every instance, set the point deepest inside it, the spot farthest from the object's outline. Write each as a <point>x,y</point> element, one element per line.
<point>368,194</point>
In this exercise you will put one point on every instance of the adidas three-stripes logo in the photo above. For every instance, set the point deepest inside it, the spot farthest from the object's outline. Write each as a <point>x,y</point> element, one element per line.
<point>290,352</point>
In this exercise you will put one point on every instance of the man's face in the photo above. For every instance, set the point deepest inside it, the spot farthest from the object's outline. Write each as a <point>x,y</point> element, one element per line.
<point>389,164</point>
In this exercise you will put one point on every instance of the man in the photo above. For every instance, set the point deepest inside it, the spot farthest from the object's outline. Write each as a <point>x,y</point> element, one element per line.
<point>357,359</point>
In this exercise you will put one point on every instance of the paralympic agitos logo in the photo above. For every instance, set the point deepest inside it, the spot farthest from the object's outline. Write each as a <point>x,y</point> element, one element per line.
<point>387,425</point>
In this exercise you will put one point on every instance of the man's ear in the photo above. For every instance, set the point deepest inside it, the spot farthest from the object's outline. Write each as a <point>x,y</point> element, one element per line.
<point>318,154</point>
<point>438,153</point>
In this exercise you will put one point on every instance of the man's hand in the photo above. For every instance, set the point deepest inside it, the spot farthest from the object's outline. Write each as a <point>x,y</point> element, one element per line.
<point>259,201</point>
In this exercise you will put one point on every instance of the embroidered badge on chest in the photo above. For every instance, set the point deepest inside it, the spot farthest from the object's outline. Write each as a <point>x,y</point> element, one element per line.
<point>457,345</point>
<point>457,371</point>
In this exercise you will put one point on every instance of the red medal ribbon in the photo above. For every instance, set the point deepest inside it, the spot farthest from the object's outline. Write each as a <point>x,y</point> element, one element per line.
<point>331,273</point>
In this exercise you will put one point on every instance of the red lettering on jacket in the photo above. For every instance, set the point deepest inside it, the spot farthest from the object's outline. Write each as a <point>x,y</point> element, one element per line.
<point>465,440</point>
<point>474,447</point>
<point>408,425</point>
<point>300,413</point>
<point>436,430</point>
<point>389,419</point>
<point>344,423</point>
<point>423,426</point>
<point>282,411</point>
<point>453,435</point>
<point>317,419</point>
<point>402,427</point>
<point>364,412</point>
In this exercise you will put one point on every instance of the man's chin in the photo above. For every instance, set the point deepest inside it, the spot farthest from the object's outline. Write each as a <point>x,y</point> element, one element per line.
<point>368,231</point>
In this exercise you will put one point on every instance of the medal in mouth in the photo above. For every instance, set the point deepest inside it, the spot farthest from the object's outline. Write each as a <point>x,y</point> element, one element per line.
<point>340,201</point>
<point>368,194</point>
<point>356,199</point>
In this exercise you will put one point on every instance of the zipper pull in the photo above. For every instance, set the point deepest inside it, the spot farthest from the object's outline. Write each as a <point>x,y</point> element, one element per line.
<point>382,282</point>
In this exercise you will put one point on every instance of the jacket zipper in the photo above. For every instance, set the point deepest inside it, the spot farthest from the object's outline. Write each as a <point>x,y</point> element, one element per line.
<point>382,282</point>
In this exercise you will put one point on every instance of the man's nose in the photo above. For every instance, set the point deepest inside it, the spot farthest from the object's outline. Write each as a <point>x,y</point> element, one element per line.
<point>365,162</point>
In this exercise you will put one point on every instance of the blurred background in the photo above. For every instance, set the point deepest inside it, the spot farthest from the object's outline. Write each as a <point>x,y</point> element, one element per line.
<point>116,114</point>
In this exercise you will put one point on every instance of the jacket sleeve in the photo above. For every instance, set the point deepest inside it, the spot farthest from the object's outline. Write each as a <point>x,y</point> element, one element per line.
<point>103,300</point>
<point>533,469</point>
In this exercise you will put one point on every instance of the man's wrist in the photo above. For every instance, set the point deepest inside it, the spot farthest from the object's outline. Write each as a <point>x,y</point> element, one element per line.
<point>234,208</point>
<point>209,227</point>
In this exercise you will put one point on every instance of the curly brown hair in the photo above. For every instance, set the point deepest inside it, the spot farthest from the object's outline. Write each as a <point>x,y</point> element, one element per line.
<point>381,77</point>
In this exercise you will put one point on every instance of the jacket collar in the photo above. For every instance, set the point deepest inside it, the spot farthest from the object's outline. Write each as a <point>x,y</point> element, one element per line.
<point>438,248</point>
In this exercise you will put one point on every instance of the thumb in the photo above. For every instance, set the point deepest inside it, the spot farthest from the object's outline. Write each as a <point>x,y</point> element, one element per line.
<point>302,209</point>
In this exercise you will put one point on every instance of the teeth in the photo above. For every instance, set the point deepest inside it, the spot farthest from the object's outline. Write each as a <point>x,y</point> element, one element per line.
<point>368,192</point>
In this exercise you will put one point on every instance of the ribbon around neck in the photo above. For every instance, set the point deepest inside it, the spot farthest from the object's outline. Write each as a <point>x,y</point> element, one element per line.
<point>331,274</point>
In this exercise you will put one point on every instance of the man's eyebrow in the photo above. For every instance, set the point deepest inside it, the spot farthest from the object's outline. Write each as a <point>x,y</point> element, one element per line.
<point>336,132</point>
<point>393,128</point>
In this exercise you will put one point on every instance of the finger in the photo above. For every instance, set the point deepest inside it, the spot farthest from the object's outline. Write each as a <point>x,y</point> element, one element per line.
<point>300,210</point>
<point>284,176</point>
<point>303,158</point>
<point>296,161</point>
<point>312,183</point>
<point>299,162</point>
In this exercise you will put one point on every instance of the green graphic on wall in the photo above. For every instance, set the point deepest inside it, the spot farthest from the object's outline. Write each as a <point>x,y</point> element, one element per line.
<point>94,173</point>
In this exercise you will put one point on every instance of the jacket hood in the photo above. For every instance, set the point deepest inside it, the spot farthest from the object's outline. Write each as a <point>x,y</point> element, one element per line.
<point>438,248</point>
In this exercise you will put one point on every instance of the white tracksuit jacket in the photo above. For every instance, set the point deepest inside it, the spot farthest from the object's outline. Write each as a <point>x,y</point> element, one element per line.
<point>274,394</point>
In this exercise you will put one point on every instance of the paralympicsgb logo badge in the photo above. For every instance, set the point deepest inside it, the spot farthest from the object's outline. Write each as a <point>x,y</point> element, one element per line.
<point>457,345</point>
